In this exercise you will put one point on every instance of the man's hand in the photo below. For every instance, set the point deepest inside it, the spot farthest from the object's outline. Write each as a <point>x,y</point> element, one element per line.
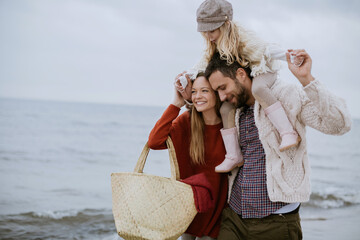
<point>302,72</point>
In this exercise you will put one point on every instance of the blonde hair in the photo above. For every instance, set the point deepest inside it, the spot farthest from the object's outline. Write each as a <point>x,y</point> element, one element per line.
<point>238,44</point>
<point>197,145</point>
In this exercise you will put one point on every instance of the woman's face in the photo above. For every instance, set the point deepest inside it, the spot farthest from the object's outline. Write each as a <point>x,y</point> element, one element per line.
<point>213,36</point>
<point>202,95</point>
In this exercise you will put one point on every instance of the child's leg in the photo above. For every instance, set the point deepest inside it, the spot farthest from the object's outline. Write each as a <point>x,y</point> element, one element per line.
<point>227,112</point>
<point>233,157</point>
<point>261,90</point>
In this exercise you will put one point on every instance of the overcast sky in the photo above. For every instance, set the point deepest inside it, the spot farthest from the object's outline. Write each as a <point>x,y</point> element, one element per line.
<point>128,52</point>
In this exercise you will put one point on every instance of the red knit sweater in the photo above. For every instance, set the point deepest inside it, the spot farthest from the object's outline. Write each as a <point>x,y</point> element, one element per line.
<point>204,224</point>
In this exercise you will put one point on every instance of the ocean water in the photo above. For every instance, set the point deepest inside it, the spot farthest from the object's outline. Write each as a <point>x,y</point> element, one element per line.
<point>56,159</point>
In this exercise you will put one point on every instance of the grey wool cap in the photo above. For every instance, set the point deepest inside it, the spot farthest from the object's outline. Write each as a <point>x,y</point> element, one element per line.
<point>212,14</point>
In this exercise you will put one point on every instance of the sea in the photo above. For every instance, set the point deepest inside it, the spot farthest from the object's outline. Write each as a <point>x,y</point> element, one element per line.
<point>56,159</point>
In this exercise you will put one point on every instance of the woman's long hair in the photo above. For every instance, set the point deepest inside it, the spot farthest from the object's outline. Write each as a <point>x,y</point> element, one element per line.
<point>197,146</point>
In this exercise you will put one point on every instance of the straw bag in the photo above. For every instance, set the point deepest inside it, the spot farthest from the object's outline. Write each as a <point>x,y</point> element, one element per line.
<point>152,207</point>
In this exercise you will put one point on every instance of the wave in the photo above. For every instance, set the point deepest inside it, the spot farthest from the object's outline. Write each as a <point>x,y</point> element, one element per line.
<point>67,224</point>
<point>333,200</point>
<point>70,214</point>
<point>56,215</point>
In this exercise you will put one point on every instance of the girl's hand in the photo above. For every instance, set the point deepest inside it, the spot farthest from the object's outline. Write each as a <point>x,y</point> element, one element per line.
<point>302,72</point>
<point>185,93</point>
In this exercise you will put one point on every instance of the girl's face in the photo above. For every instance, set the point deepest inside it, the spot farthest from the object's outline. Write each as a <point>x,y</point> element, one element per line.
<point>214,35</point>
<point>202,95</point>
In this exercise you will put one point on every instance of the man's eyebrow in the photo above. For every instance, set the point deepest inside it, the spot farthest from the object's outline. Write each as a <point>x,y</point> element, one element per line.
<point>220,86</point>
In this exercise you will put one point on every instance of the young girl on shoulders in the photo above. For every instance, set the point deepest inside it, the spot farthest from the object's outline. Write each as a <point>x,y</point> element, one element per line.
<point>234,43</point>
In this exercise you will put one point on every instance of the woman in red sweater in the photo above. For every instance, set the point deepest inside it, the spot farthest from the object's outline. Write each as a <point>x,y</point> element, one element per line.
<point>199,149</point>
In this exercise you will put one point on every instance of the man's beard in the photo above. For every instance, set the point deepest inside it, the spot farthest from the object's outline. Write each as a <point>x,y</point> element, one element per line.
<point>241,95</point>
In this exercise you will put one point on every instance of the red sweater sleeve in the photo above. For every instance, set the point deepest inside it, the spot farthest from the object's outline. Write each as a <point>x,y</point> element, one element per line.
<point>163,128</point>
<point>178,127</point>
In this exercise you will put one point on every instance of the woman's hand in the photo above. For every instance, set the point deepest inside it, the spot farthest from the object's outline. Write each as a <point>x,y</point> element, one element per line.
<point>185,93</point>
<point>178,97</point>
<point>302,72</point>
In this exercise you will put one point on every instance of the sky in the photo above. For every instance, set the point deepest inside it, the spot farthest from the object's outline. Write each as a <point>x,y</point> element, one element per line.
<point>129,52</point>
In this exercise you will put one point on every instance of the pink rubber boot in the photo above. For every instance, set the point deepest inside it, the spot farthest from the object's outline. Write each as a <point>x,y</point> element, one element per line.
<point>233,157</point>
<point>277,115</point>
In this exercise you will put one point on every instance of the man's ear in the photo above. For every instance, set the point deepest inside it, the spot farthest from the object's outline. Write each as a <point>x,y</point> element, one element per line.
<point>241,75</point>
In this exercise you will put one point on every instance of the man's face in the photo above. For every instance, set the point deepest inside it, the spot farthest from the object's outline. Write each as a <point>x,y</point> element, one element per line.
<point>229,90</point>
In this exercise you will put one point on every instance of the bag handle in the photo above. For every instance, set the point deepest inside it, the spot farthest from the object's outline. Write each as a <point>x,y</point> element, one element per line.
<point>174,167</point>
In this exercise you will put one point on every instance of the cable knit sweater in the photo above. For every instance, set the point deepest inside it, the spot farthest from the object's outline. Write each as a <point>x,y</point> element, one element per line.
<point>288,172</point>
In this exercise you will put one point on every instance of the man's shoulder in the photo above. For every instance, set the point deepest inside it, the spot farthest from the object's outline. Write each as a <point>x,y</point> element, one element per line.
<point>281,84</point>
<point>284,89</point>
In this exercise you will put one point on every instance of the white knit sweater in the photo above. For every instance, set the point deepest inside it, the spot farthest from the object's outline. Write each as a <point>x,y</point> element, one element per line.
<point>288,172</point>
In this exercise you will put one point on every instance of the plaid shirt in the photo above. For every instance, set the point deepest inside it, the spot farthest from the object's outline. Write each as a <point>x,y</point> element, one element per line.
<point>249,196</point>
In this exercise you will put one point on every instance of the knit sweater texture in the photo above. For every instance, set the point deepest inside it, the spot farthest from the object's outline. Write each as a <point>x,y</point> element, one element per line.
<point>288,172</point>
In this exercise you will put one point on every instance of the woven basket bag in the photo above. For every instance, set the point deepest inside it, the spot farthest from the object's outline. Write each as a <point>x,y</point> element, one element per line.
<point>152,207</point>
